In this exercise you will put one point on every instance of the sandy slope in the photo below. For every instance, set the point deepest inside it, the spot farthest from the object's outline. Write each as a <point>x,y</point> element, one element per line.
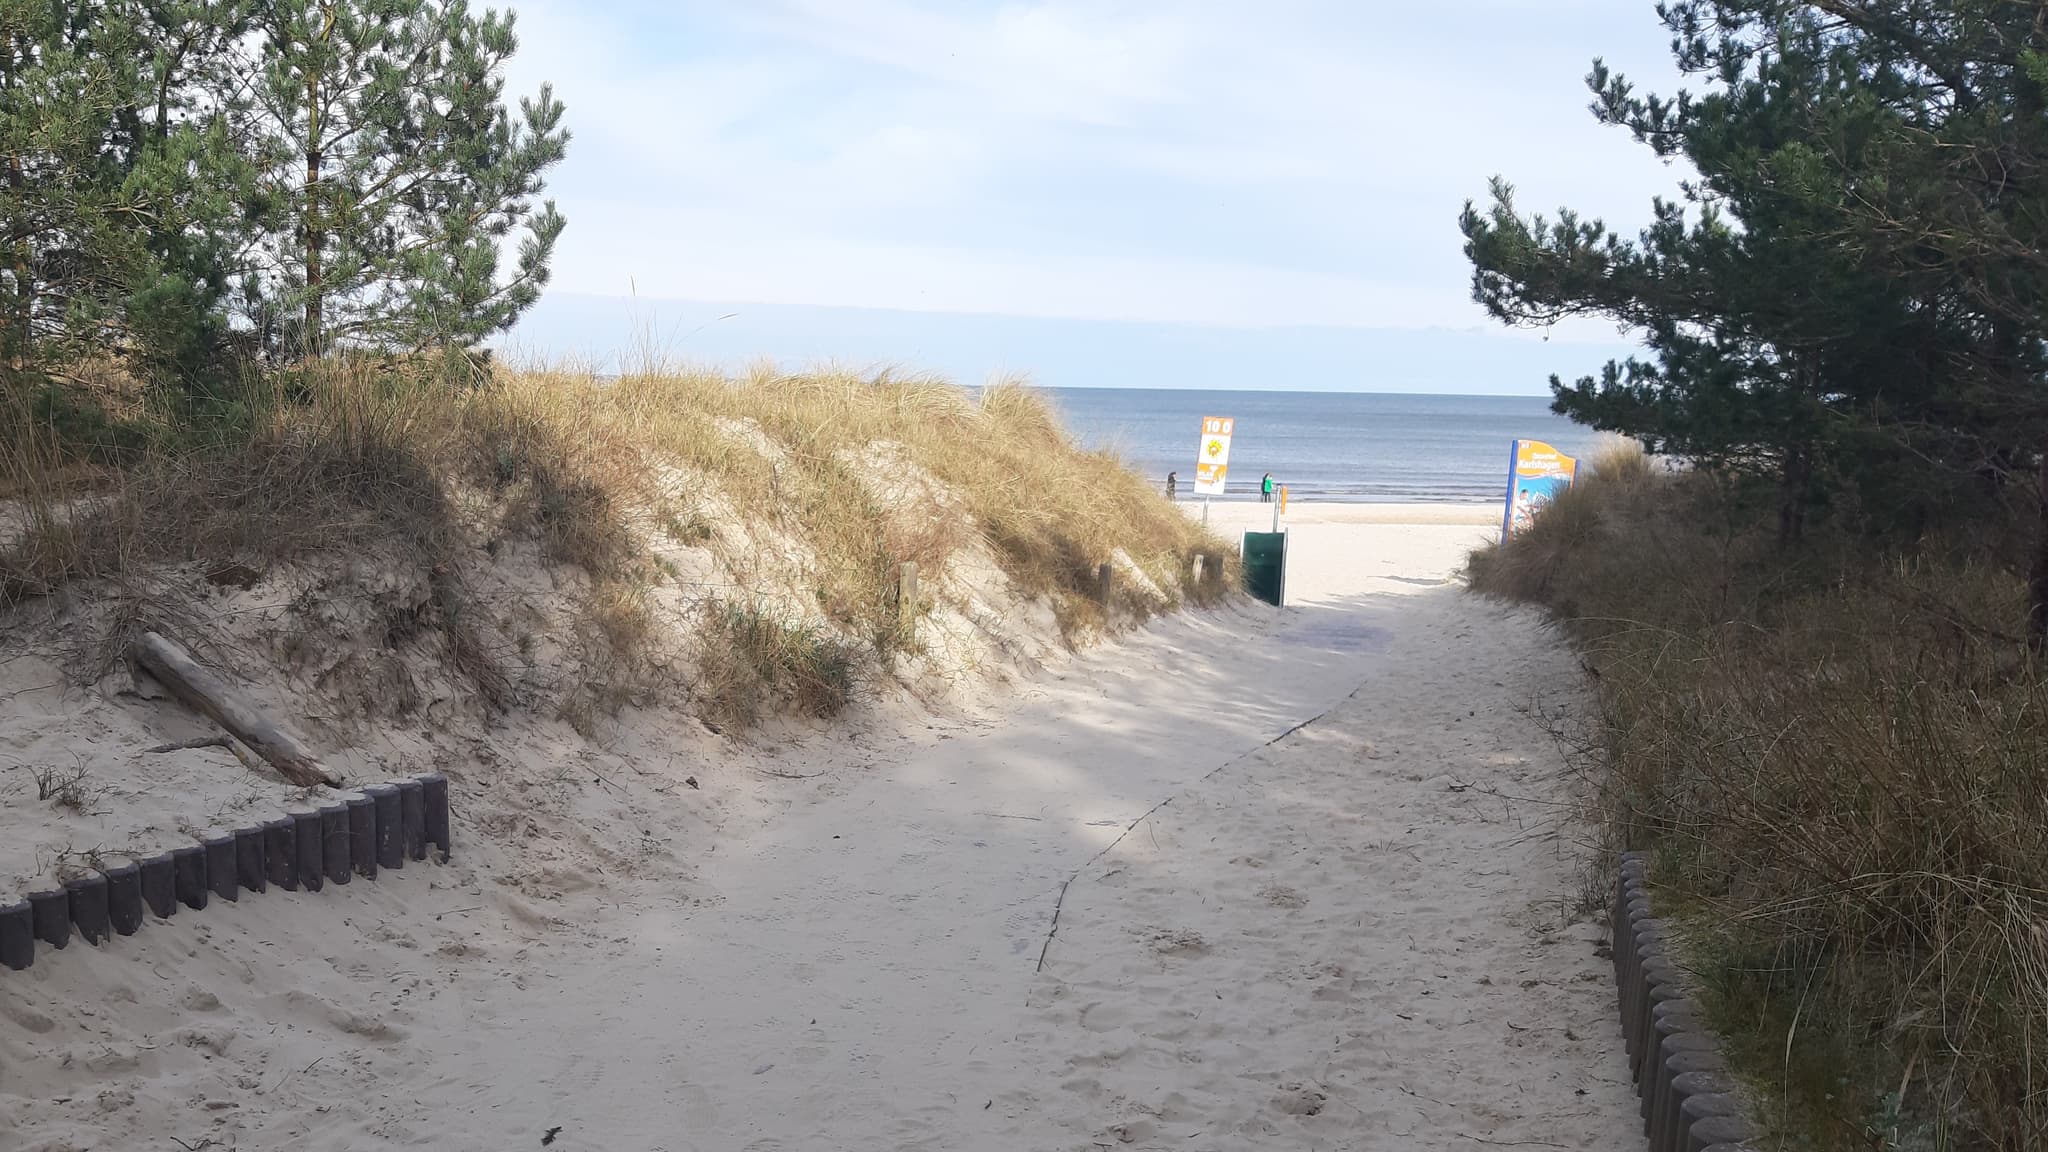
<point>1355,936</point>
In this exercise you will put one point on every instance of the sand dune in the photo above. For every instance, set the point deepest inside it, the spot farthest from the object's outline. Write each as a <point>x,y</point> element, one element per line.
<point>1358,935</point>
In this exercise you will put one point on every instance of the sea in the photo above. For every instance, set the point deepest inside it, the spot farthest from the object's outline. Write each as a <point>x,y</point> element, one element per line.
<point>1326,446</point>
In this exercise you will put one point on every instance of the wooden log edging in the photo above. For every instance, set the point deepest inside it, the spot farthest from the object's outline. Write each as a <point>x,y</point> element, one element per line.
<point>1689,1102</point>
<point>383,828</point>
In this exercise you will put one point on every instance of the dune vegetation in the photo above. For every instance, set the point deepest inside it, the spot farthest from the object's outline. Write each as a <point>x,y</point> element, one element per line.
<point>1819,639</point>
<point>246,304</point>
<point>766,515</point>
<point>1835,757</point>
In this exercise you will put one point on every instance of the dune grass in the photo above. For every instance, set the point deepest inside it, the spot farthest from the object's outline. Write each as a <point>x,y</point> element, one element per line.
<point>822,455</point>
<point>816,486</point>
<point>752,658</point>
<point>1838,759</point>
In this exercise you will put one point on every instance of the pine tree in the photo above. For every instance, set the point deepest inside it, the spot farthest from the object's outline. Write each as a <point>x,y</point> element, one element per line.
<point>1961,210</point>
<point>391,175</point>
<point>176,148</point>
<point>1780,336</point>
<point>118,210</point>
<point>61,85</point>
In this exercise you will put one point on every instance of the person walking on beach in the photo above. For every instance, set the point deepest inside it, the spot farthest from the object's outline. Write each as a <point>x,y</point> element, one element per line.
<point>1172,483</point>
<point>1266,489</point>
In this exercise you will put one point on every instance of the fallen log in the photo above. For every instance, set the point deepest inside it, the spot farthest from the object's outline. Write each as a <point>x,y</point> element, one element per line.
<point>240,750</point>
<point>199,688</point>
<point>188,745</point>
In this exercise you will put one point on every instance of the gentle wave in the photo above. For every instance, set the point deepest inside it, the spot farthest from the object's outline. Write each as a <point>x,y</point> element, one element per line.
<point>1356,447</point>
<point>1298,494</point>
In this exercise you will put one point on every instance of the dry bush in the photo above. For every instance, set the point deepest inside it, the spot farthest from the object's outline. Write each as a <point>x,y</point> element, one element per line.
<point>750,661</point>
<point>861,473</point>
<point>344,467</point>
<point>617,658</point>
<point>346,460</point>
<point>1838,759</point>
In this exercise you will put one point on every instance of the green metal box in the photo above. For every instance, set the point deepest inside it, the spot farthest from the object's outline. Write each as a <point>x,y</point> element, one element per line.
<point>1265,566</point>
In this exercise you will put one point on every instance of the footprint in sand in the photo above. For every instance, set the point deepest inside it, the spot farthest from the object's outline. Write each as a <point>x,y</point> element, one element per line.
<point>1296,1100</point>
<point>1280,896</point>
<point>1132,1131</point>
<point>28,1018</point>
<point>1096,1017</point>
<point>1175,942</point>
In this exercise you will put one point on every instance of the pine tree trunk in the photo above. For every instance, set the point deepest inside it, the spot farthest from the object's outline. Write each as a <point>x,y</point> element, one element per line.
<point>316,235</point>
<point>15,344</point>
<point>316,241</point>
<point>2037,579</point>
<point>1795,467</point>
<point>1794,474</point>
<point>314,226</point>
<point>2029,104</point>
<point>20,350</point>
<point>2007,372</point>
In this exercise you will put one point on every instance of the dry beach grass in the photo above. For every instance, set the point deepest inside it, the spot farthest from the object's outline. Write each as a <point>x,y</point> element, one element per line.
<point>808,491</point>
<point>1837,757</point>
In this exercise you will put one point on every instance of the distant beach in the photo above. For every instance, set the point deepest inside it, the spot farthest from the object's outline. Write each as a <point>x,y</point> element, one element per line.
<point>1349,447</point>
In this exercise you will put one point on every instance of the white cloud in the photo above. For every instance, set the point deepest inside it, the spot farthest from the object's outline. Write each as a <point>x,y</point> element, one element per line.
<point>1293,163</point>
<point>1077,63</point>
<point>629,249</point>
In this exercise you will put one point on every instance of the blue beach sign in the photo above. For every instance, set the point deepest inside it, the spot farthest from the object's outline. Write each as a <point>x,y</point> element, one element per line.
<point>1536,474</point>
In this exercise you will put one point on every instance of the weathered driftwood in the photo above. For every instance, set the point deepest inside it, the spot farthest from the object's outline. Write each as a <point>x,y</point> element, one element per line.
<point>240,750</point>
<point>188,745</point>
<point>202,690</point>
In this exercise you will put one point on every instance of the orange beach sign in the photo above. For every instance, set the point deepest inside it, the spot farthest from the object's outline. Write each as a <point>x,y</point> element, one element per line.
<point>1212,455</point>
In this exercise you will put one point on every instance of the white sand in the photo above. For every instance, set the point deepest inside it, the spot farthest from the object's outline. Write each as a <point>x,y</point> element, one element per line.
<point>1358,936</point>
<point>1243,514</point>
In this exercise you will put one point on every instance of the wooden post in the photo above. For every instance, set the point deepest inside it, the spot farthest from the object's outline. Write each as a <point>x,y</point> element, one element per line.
<point>1105,577</point>
<point>17,936</point>
<point>1198,570</point>
<point>906,593</point>
<point>434,795</point>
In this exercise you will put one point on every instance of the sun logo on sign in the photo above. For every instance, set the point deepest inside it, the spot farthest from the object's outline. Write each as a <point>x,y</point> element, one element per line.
<point>1215,447</point>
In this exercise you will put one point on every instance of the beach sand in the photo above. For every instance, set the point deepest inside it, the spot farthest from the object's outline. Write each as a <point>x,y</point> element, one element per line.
<point>1256,516</point>
<point>1313,875</point>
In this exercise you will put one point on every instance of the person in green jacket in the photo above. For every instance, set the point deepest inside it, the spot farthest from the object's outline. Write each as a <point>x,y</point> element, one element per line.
<point>1266,489</point>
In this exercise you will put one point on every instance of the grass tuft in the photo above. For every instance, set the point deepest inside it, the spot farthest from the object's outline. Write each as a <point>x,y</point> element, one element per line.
<point>751,661</point>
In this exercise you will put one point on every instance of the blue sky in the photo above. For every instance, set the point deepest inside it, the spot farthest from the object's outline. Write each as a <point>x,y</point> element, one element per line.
<point>1167,193</point>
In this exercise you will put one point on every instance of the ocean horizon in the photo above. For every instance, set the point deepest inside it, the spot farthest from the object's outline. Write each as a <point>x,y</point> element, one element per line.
<point>1355,447</point>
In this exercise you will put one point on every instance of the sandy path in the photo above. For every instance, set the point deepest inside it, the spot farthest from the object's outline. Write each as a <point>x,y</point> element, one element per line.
<point>1362,936</point>
<point>859,971</point>
<point>871,948</point>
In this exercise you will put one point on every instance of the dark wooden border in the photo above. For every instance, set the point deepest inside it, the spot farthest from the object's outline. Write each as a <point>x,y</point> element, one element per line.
<point>1689,1101</point>
<point>381,827</point>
